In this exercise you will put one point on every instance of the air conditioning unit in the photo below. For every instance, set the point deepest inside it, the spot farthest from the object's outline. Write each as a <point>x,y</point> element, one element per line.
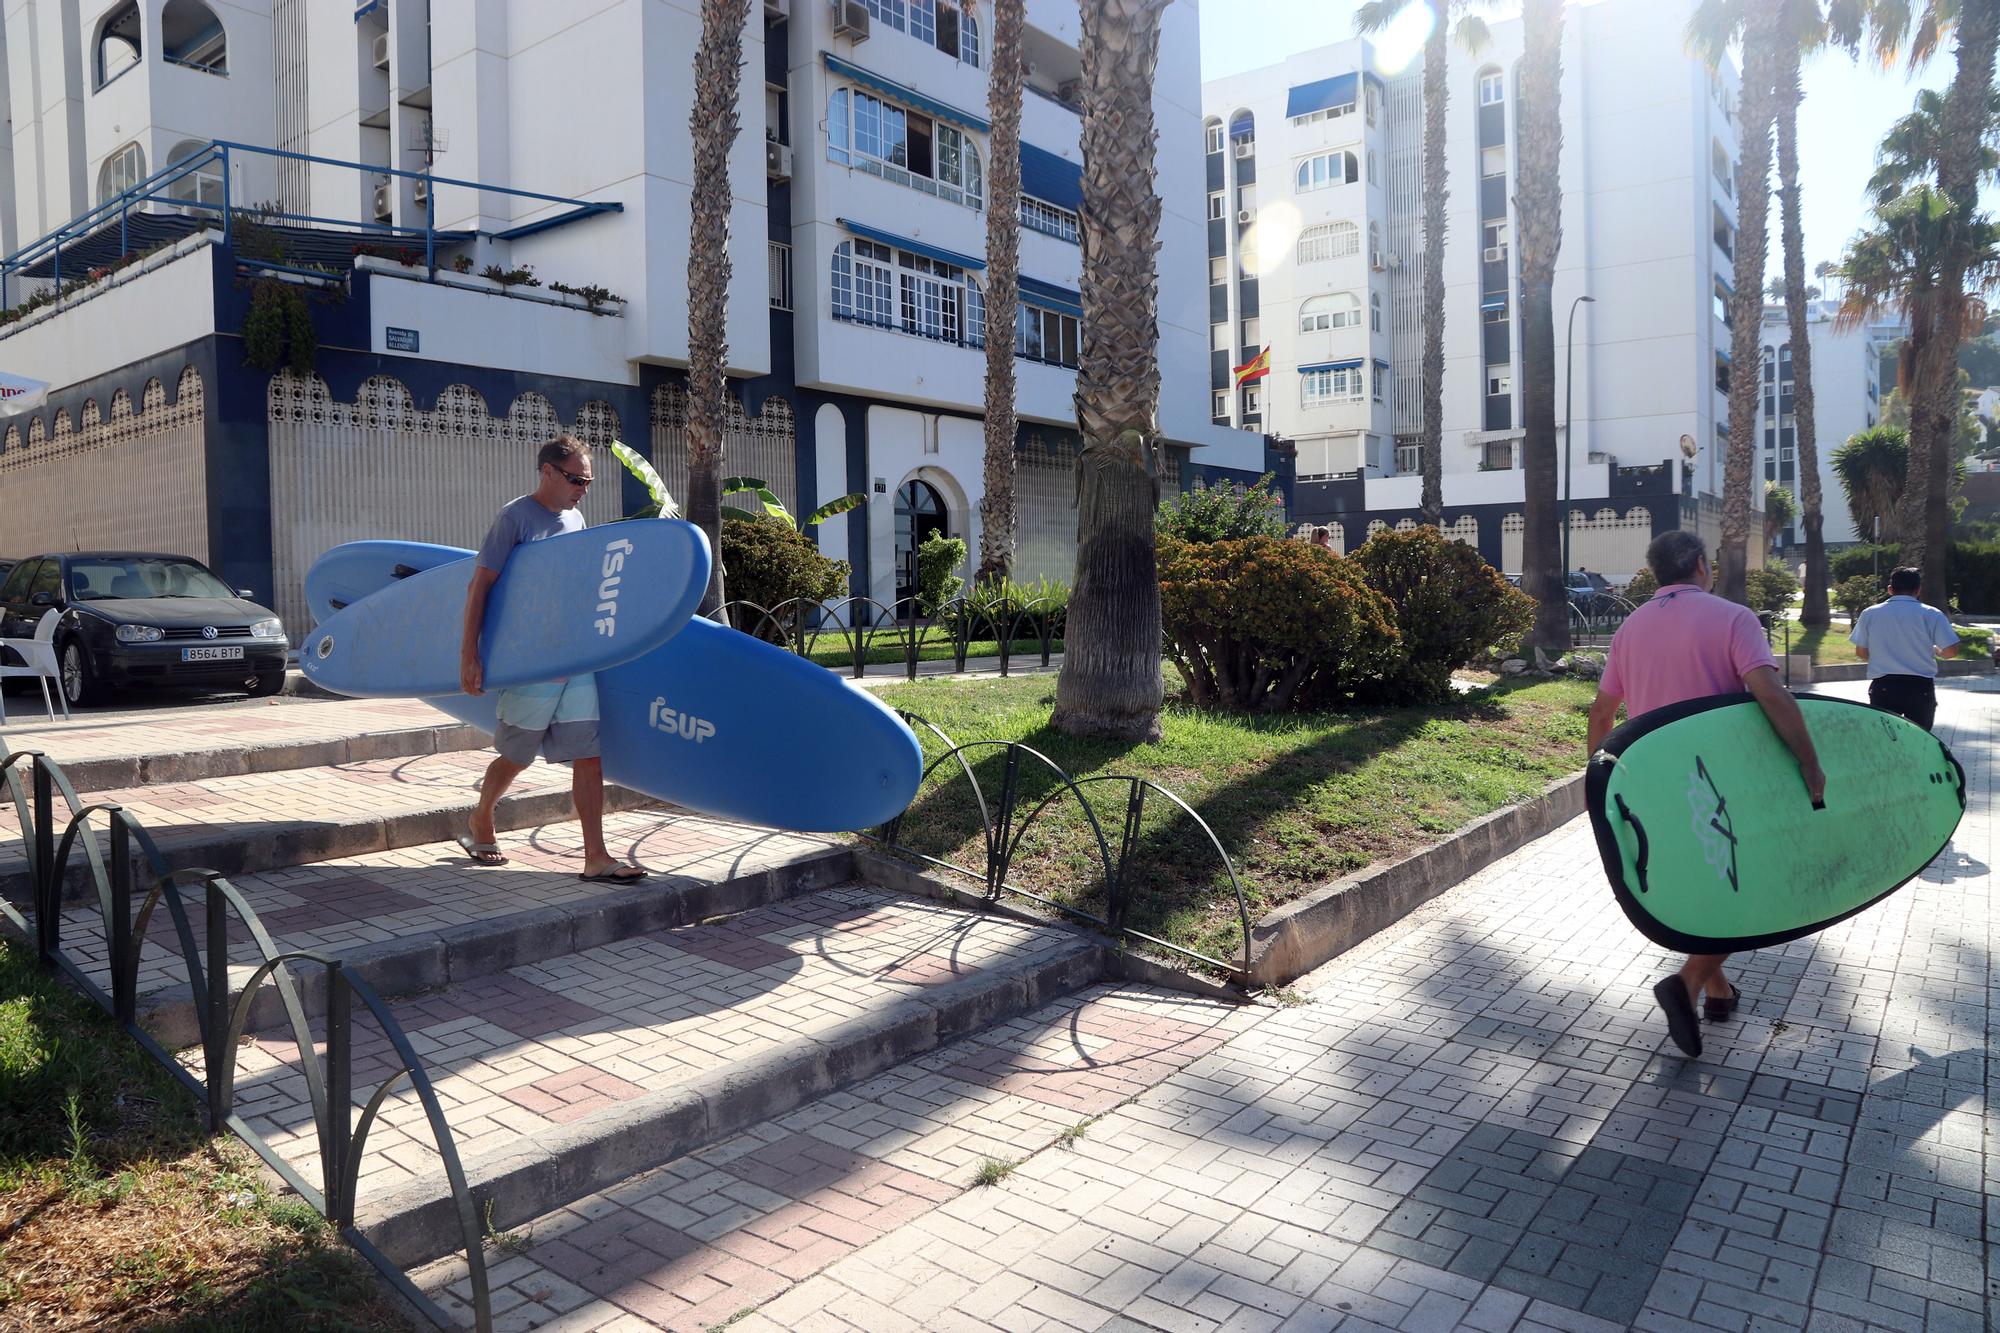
<point>1070,93</point>
<point>777,160</point>
<point>850,20</point>
<point>382,51</point>
<point>1246,148</point>
<point>384,202</point>
<point>421,192</point>
<point>1495,254</point>
<point>1245,216</point>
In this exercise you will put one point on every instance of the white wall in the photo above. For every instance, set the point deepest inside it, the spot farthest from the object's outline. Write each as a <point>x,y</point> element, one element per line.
<point>132,316</point>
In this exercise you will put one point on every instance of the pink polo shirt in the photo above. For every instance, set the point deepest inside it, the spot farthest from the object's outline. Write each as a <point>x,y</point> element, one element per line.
<point>1683,644</point>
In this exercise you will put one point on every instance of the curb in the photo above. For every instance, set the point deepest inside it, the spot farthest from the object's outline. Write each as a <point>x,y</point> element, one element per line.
<point>1326,923</point>
<point>418,1222</point>
<point>1844,671</point>
<point>119,772</point>
<point>279,846</point>
<point>481,948</point>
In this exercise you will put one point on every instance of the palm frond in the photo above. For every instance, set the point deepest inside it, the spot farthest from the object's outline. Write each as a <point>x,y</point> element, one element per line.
<point>832,508</point>
<point>663,505</point>
<point>1714,26</point>
<point>1473,34</point>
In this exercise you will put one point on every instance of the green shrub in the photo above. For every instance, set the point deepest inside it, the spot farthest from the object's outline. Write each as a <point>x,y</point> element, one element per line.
<point>938,562</point>
<point>1223,512</point>
<point>1267,624</point>
<point>1770,588</point>
<point>1855,595</point>
<point>1641,588</point>
<point>1450,606</point>
<point>991,607</point>
<point>768,563</point>
<point>1975,576</point>
<point>1844,565</point>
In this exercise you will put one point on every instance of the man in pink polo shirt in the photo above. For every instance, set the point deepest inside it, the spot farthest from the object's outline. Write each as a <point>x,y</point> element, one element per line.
<point>1685,644</point>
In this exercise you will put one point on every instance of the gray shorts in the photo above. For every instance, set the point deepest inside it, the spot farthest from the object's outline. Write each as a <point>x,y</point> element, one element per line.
<point>559,742</point>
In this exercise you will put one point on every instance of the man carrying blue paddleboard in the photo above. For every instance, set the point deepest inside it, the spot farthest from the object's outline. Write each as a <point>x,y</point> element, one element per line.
<point>557,719</point>
<point>1901,640</point>
<point>1686,644</point>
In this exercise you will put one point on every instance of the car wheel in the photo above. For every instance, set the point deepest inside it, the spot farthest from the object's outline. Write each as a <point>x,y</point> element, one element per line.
<point>267,684</point>
<point>79,683</point>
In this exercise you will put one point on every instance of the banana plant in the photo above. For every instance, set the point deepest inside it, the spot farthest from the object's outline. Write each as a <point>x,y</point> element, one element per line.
<point>663,505</point>
<point>775,508</point>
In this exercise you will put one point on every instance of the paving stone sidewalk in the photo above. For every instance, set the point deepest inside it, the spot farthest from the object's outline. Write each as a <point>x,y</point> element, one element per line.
<point>171,730</point>
<point>1475,1120</point>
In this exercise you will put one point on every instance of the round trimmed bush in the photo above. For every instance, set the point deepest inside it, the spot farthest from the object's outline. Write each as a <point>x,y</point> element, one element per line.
<point>1450,607</point>
<point>767,562</point>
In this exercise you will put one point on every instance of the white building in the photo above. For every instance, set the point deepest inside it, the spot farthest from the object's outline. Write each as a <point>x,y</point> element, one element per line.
<point>1322,262</point>
<point>471,138</point>
<point>1846,398</point>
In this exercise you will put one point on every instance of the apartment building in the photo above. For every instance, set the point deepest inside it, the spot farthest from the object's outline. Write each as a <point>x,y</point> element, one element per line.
<point>484,208</point>
<point>1847,395</point>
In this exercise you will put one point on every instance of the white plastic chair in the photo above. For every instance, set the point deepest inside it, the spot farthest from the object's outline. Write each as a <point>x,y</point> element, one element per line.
<point>40,655</point>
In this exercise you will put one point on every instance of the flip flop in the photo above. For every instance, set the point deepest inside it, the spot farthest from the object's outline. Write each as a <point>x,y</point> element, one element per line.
<point>622,875</point>
<point>1672,994</point>
<point>482,853</point>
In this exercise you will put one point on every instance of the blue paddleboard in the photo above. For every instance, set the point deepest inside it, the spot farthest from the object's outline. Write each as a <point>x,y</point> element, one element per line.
<point>562,606</point>
<point>712,720</point>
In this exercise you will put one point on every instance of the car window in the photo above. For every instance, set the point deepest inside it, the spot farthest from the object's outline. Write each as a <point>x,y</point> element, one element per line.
<point>16,587</point>
<point>100,578</point>
<point>47,578</point>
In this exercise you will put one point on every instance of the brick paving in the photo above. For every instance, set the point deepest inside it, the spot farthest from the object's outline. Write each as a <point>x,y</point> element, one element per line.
<point>1475,1120</point>
<point>177,729</point>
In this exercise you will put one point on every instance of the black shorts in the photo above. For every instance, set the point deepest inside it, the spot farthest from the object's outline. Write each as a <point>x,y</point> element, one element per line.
<point>1913,697</point>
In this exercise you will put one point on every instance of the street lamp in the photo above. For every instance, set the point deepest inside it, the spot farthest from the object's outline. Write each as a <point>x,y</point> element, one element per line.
<point>1569,430</point>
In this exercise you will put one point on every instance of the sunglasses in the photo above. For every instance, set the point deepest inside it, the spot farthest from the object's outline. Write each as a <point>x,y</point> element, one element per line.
<point>572,478</point>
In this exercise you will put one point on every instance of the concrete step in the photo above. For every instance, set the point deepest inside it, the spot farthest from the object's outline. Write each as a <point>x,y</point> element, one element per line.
<point>564,1076</point>
<point>297,816</point>
<point>111,750</point>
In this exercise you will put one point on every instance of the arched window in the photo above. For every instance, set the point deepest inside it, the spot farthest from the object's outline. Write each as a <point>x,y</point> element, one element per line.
<point>202,184</point>
<point>1371,166</point>
<point>863,283</point>
<point>1329,240</point>
<point>968,39</point>
<point>1492,86</point>
<point>192,36</point>
<point>123,169</point>
<point>1325,169</point>
<point>1340,310</point>
<point>1212,135</point>
<point>920,511</point>
<point>117,43</point>
<point>1374,242</point>
<point>1375,311</point>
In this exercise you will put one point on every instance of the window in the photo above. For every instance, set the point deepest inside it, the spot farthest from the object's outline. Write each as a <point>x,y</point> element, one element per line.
<point>1217,208</point>
<point>923,20</point>
<point>122,170</point>
<point>1721,373</point>
<point>958,164</point>
<point>779,259</point>
<point>1375,312</point>
<point>975,313</point>
<point>117,43</point>
<point>884,139</point>
<point>1341,384</point>
<point>1253,333</point>
<point>1213,131</point>
<point>202,185</point>
<point>1218,407</point>
<point>1329,240</point>
<point>1218,337</point>
<point>1328,113</point>
<point>1374,96</point>
<point>1246,197</point>
<point>1492,88</point>
<point>1050,220</point>
<point>1047,335</point>
<point>931,297</point>
<point>1499,383</point>
<point>1341,310</point>
<point>1409,458</point>
<point>1497,456</point>
<point>1317,173</point>
<point>1493,238</point>
<point>968,38</point>
<point>776,123</point>
<point>1375,244</point>
<point>1493,161</point>
<point>862,284</point>
<point>1371,166</point>
<point>1375,381</point>
<point>191,36</point>
<point>1253,401</point>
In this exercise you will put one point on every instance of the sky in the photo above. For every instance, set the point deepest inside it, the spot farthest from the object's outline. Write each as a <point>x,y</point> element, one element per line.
<point>1848,106</point>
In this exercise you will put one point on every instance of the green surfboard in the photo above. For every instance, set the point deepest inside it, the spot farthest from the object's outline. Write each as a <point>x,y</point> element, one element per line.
<point>1713,846</point>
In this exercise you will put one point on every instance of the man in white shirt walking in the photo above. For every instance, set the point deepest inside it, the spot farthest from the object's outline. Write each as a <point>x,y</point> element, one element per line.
<point>1901,640</point>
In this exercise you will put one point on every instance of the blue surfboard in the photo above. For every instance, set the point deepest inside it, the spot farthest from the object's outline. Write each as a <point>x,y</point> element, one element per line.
<point>562,606</point>
<point>712,720</point>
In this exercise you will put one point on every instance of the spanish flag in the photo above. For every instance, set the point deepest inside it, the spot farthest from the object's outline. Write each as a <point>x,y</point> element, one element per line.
<point>1255,369</point>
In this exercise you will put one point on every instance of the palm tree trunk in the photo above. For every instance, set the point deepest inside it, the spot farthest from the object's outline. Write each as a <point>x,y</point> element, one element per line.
<point>1762,30</point>
<point>1811,516</point>
<point>712,126</point>
<point>1110,681</point>
<point>1538,210</point>
<point>997,520</point>
<point>1437,97</point>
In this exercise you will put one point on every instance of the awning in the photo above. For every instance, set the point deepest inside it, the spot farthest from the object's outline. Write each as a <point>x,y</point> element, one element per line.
<point>1051,179</point>
<point>1725,284</point>
<point>1494,303</point>
<point>939,253</point>
<point>1380,364</point>
<point>1051,297</point>
<point>1352,364</point>
<point>1310,97</point>
<point>366,7</point>
<point>909,97</point>
<point>1244,125</point>
<point>1724,355</point>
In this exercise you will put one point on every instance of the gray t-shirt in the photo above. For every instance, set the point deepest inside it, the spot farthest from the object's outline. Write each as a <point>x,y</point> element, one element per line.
<point>523,520</point>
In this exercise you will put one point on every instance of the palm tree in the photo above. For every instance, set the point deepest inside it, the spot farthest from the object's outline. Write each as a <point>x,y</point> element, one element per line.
<point>1914,146</point>
<point>997,517</point>
<point>1871,468</point>
<point>1760,25</point>
<point>712,126</point>
<point>1805,28</point>
<point>1779,511</point>
<point>1538,215</point>
<point>1110,681</point>
<point>1826,270</point>
<point>1373,17</point>
<point>1961,158</point>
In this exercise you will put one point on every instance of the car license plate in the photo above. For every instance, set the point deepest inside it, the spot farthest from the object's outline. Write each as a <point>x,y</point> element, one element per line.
<point>233,653</point>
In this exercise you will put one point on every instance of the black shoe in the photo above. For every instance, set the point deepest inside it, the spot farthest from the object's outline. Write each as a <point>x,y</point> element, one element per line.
<point>1720,1011</point>
<point>1672,994</point>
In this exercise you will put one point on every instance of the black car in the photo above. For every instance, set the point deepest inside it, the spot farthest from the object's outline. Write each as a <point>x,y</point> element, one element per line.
<point>138,618</point>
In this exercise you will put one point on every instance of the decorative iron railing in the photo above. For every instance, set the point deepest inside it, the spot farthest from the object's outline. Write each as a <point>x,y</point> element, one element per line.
<point>221,1018</point>
<point>862,626</point>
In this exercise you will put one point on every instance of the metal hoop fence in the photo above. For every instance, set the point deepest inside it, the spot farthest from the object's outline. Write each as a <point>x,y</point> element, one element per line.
<point>856,631</point>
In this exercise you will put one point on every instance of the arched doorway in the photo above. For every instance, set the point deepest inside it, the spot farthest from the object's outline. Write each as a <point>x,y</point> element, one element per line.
<point>920,511</point>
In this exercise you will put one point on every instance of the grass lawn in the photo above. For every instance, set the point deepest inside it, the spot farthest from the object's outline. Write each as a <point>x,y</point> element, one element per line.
<point>1828,646</point>
<point>1298,800</point>
<point>117,1211</point>
<point>887,647</point>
